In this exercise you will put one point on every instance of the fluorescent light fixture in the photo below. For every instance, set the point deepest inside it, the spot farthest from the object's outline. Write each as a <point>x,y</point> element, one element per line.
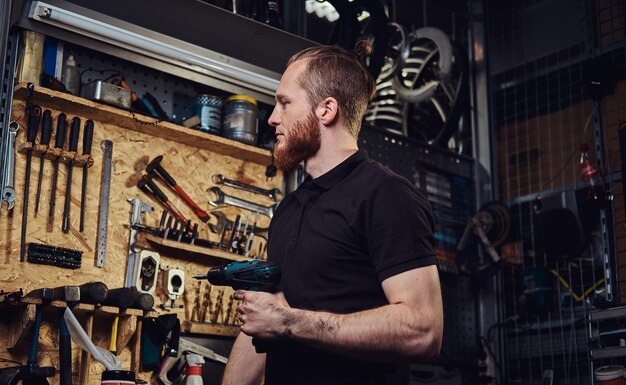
<point>155,46</point>
<point>325,10</point>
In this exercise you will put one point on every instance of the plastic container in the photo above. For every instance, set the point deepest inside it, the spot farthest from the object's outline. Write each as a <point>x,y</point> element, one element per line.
<point>241,119</point>
<point>610,375</point>
<point>118,377</point>
<point>193,370</point>
<point>591,177</point>
<point>209,109</point>
<point>70,77</point>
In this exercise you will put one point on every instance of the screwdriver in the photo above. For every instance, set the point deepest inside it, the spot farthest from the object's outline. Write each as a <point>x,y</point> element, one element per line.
<point>59,141</point>
<point>87,139</point>
<point>34,117</point>
<point>46,134</point>
<point>74,130</point>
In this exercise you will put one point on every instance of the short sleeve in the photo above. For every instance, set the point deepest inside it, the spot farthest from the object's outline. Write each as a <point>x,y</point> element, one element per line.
<point>399,228</point>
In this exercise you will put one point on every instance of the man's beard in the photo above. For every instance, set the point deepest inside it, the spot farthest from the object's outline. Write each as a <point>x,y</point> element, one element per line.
<point>303,142</point>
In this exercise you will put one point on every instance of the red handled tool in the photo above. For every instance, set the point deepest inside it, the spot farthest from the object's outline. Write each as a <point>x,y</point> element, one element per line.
<point>147,185</point>
<point>155,167</point>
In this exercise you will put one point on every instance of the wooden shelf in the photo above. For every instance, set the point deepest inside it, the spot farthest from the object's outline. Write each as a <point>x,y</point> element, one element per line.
<point>21,322</point>
<point>73,105</point>
<point>211,329</point>
<point>85,308</point>
<point>186,249</point>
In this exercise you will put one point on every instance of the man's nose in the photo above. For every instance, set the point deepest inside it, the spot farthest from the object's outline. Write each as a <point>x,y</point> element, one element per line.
<point>273,119</point>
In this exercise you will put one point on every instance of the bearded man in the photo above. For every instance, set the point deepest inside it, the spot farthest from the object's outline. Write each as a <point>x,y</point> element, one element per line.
<point>360,290</point>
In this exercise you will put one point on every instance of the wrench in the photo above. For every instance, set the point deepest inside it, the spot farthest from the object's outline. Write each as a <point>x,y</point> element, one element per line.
<point>222,222</point>
<point>224,199</point>
<point>8,193</point>
<point>271,193</point>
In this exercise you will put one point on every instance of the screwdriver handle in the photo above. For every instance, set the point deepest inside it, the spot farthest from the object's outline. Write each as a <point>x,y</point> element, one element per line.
<point>87,137</point>
<point>33,124</point>
<point>46,127</point>
<point>74,134</point>
<point>61,125</point>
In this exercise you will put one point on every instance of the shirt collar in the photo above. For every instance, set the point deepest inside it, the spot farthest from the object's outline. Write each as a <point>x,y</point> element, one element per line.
<point>337,174</point>
<point>312,188</point>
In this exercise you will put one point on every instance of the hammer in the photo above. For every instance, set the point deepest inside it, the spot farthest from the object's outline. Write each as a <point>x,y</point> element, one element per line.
<point>147,185</point>
<point>155,167</point>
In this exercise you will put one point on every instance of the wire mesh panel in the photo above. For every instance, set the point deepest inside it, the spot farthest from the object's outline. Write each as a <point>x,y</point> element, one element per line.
<point>543,60</point>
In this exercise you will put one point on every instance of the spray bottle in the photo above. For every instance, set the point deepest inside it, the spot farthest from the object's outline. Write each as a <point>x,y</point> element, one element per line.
<point>193,371</point>
<point>71,76</point>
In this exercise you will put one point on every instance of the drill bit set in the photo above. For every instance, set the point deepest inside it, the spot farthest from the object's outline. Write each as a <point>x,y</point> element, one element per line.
<point>207,310</point>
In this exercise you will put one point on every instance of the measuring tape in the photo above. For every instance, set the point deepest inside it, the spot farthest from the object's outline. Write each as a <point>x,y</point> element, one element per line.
<point>103,212</point>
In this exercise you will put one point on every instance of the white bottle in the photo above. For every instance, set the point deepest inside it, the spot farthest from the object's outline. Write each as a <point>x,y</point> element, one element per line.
<point>193,371</point>
<point>71,76</point>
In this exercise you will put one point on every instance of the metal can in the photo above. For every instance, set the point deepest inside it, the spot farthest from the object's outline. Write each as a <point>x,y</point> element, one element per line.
<point>209,108</point>
<point>241,119</point>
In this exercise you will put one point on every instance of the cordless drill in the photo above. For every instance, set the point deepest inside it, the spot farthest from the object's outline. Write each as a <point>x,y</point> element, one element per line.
<point>246,275</point>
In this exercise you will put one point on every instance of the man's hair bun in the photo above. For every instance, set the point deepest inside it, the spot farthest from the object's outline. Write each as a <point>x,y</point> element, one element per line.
<point>362,49</point>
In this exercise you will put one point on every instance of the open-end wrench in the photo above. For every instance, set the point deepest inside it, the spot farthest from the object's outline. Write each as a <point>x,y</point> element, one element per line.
<point>8,192</point>
<point>271,193</point>
<point>224,199</point>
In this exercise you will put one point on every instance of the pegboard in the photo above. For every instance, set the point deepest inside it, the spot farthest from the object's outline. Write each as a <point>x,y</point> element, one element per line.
<point>446,179</point>
<point>175,95</point>
<point>460,345</point>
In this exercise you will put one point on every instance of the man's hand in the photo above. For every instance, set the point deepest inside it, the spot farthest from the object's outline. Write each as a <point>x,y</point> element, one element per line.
<point>263,315</point>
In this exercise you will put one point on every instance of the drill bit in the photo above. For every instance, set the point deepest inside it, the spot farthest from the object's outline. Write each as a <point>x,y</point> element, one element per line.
<point>46,133</point>
<point>87,139</point>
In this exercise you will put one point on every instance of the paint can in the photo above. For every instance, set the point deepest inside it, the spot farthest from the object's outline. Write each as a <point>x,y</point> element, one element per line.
<point>241,119</point>
<point>209,109</point>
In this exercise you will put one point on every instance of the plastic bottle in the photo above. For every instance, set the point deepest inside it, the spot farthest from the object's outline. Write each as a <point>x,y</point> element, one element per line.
<point>71,76</point>
<point>193,371</point>
<point>591,176</point>
<point>269,13</point>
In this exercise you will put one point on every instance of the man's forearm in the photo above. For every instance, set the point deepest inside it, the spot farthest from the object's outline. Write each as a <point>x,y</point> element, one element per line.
<point>387,333</point>
<point>245,366</point>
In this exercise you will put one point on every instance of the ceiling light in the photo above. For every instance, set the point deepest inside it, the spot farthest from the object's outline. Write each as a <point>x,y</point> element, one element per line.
<point>154,46</point>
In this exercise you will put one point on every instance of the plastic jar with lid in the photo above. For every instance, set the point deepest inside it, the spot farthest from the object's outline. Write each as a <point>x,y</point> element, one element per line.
<point>241,119</point>
<point>610,375</point>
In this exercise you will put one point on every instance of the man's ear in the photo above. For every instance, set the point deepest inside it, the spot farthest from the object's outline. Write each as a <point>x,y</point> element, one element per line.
<point>328,111</point>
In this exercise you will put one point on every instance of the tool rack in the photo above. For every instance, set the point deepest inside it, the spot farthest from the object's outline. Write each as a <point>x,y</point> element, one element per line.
<point>21,317</point>
<point>136,138</point>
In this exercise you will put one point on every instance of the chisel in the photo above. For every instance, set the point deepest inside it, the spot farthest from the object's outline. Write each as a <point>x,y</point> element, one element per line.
<point>46,133</point>
<point>59,141</point>
<point>74,131</point>
<point>34,116</point>
<point>87,139</point>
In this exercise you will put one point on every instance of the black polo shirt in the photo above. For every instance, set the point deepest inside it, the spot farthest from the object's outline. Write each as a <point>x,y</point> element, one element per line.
<point>336,238</point>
